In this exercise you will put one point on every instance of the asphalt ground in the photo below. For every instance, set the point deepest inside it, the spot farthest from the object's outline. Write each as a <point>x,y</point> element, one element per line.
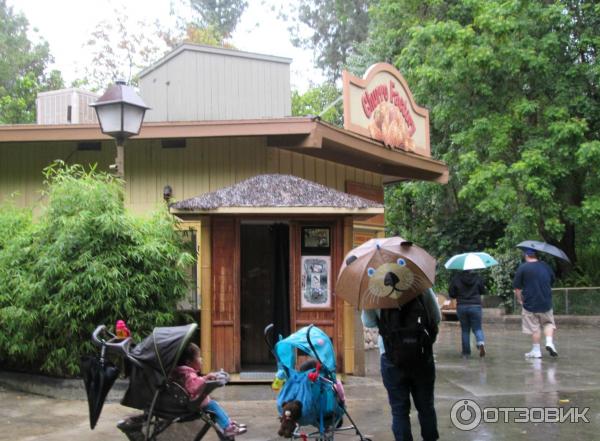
<point>501,381</point>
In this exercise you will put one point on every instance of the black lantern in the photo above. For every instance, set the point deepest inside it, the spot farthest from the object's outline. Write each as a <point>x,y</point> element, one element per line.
<point>120,112</point>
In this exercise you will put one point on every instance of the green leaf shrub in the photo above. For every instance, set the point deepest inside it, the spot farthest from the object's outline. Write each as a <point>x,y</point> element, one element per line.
<point>85,262</point>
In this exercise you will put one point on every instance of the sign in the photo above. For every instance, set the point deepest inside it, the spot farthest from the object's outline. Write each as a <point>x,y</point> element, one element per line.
<point>381,106</point>
<point>315,284</point>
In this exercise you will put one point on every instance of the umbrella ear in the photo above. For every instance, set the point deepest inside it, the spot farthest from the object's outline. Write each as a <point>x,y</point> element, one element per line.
<point>351,259</point>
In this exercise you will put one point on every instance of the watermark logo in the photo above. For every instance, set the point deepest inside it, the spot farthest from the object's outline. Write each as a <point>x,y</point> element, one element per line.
<point>467,415</point>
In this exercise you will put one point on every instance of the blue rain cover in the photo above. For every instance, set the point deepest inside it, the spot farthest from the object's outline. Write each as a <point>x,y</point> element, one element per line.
<point>285,349</point>
<point>317,398</point>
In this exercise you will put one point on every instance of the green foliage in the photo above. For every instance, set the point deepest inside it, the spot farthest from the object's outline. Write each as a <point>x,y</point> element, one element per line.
<point>85,262</point>
<point>317,99</point>
<point>22,66</point>
<point>335,28</point>
<point>220,15</point>
<point>512,89</point>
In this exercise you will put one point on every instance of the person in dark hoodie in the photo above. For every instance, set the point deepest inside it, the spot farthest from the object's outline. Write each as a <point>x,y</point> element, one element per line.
<point>467,287</point>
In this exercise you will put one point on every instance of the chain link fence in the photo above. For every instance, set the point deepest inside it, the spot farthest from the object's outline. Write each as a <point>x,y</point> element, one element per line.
<point>572,300</point>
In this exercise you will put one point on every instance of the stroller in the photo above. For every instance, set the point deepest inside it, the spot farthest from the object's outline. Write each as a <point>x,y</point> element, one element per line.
<point>161,400</point>
<point>316,388</point>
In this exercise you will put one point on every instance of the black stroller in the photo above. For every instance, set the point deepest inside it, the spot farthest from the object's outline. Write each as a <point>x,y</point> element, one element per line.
<point>162,401</point>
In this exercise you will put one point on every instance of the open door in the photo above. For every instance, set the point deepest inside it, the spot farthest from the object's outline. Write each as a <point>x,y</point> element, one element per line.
<point>264,290</point>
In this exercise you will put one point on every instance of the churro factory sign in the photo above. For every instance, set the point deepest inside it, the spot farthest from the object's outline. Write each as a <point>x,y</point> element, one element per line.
<point>381,106</point>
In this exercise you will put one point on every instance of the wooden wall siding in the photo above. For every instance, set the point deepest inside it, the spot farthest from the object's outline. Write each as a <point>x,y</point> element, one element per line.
<point>330,321</point>
<point>203,165</point>
<point>197,86</point>
<point>21,166</point>
<point>225,294</point>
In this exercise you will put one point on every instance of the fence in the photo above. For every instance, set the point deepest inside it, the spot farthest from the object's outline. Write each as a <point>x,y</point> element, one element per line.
<point>572,300</point>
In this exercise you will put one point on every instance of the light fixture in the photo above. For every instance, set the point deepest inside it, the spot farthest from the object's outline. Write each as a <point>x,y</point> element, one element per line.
<point>120,112</point>
<point>167,193</point>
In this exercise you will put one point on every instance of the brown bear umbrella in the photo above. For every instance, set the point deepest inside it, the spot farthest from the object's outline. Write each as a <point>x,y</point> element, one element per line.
<point>385,273</point>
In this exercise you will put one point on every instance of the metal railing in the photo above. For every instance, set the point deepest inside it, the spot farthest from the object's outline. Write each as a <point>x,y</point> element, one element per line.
<point>583,300</point>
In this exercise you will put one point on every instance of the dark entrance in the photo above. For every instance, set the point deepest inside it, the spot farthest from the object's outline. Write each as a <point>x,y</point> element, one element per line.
<point>264,290</point>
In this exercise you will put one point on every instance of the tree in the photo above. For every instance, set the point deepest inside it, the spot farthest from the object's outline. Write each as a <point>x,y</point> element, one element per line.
<point>335,27</point>
<point>118,53</point>
<point>512,88</point>
<point>220,15</point>
<point>317,99</point>
<point>85,262</point>
<point>22,68</point>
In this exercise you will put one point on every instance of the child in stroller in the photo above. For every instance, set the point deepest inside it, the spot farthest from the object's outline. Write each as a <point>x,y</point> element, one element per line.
<point>152,389</point>
<point>186,374</point>
<point>311,394</point>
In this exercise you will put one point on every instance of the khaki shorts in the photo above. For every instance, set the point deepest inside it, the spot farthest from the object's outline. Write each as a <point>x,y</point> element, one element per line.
<point>533,321</point>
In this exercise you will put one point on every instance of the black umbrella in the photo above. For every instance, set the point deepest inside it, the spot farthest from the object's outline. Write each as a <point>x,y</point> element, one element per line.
<point>544,248</point>
<point>99,375</point>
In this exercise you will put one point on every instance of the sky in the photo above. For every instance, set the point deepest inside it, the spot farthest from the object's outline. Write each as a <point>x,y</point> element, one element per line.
<point>66,25</point>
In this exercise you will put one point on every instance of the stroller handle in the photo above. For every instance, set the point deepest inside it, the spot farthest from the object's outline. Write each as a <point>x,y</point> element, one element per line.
<point>113,344</point>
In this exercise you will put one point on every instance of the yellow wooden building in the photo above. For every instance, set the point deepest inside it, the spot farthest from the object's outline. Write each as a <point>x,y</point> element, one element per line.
<point>274,201</point>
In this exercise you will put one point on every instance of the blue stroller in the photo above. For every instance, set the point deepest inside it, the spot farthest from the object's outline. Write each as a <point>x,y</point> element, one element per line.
<point>313,386</point>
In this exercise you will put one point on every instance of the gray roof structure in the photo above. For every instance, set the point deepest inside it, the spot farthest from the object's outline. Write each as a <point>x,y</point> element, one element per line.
<point>275,190</point>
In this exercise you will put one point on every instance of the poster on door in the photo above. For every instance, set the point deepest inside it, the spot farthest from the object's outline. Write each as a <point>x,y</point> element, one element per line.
<point>315,282</point>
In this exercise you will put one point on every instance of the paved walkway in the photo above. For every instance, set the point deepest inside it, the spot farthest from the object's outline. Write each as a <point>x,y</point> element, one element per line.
<point>503,379</point>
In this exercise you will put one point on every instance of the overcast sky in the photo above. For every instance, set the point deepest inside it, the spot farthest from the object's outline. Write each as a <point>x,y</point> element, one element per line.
<point>66,25</point>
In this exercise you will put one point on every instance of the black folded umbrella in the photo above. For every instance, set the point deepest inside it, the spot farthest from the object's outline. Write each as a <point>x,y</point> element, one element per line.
<point>99,375</point>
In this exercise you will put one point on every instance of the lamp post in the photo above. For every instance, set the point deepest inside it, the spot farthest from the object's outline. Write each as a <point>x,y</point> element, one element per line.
<point>120,112</point>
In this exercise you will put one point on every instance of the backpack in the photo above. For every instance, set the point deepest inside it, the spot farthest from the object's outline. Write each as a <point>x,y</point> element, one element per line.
<point>408,334</point>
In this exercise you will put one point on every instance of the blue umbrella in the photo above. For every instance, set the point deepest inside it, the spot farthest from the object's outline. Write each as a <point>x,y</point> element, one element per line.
<point>470,261</point>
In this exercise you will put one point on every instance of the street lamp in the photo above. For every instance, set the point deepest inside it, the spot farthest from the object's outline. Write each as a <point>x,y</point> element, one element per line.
<point>120,112</point>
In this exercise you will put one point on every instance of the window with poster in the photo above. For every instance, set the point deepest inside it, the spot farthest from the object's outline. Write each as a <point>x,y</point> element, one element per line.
<point>315,274</point>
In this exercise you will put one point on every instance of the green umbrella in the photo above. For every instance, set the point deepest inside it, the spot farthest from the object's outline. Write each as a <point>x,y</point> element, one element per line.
<point>470,261</point>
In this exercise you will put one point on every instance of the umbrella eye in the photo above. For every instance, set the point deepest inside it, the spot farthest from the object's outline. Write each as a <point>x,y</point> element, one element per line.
<point>351,259</point>
<point>370,272</point>
<point>401,262</point>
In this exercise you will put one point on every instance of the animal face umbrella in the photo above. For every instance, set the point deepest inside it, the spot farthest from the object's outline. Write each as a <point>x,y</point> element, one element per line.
<point>385,273</point>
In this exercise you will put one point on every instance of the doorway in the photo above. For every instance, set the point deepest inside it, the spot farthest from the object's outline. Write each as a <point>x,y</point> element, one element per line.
<point>264,290</point>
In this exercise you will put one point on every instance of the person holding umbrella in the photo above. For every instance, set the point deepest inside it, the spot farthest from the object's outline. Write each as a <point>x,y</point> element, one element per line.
<point>467,287</point>
<point>533,290</point>
<point>390,280</point>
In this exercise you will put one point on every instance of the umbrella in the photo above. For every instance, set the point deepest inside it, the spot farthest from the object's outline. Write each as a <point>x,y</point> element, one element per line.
<point>470,261</point>
<point>385,273</point>
<point>544,248</point>
<point>98,377</point>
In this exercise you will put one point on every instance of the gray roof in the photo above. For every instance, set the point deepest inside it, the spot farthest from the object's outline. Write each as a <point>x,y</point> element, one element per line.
<point>275,191</point>
<point>213,50</point>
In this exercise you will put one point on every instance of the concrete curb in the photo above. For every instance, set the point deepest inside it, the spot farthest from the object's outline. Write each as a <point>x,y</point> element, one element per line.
<point>59,388</point>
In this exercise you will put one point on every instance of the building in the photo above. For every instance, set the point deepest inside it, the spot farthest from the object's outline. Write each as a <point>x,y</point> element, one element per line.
<point>273,201</point>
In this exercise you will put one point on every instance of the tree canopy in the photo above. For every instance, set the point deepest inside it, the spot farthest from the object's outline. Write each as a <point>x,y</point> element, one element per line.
<point>513,93</point>
<point>334,27</point>
<point>22,68</point>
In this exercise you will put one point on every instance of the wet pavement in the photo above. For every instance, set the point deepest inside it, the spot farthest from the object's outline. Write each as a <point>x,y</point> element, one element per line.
<point>502,381</point>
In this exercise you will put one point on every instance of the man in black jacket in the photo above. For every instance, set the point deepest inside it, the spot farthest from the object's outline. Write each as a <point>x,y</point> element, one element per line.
<point>467,287</point>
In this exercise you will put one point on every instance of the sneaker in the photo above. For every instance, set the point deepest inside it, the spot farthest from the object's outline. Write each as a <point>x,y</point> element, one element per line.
<point>481,350</point>
<point>533,354</point>
<point>232,430</point>
<point>551,349</point>
<point>240,425</point>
